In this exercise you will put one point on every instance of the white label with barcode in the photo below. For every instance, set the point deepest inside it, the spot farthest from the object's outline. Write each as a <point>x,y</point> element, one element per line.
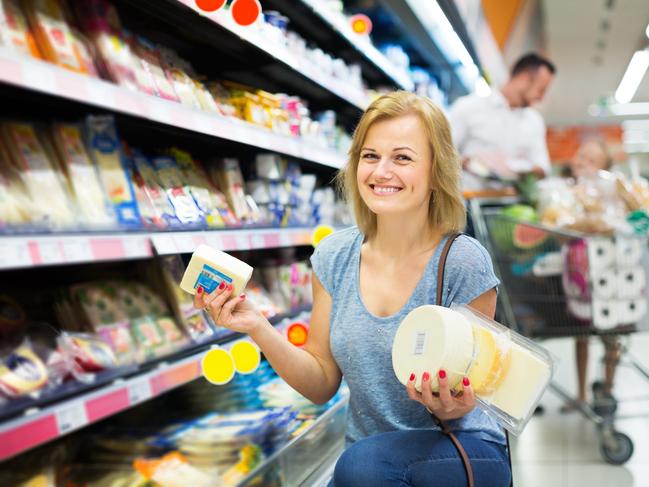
<point>71,417</point>
<point>139,391</point>
<point>419,343</point>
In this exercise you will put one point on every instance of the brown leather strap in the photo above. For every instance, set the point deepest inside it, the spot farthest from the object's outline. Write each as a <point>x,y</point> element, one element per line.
<point>440,423</point>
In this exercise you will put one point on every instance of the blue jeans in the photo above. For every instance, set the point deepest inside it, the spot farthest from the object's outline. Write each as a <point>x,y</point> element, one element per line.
<point>420,458</point>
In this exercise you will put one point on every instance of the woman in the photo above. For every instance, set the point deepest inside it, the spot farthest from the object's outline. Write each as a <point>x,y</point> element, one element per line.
<point>402,179</point>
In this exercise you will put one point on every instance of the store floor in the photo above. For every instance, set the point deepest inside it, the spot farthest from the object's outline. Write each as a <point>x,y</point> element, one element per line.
<point>562,450</point>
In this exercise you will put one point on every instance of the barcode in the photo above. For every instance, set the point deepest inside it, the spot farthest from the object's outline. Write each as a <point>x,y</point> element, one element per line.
<point>420,343</point>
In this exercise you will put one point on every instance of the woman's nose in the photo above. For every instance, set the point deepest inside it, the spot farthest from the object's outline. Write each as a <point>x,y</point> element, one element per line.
<point>383,168</point>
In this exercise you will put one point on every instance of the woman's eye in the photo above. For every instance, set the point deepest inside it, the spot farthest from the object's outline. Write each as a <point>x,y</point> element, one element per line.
<point>402,158</point>
<point>369,156</point>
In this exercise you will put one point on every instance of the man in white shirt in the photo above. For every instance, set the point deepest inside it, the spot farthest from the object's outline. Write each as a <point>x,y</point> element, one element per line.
<point>501,134</point>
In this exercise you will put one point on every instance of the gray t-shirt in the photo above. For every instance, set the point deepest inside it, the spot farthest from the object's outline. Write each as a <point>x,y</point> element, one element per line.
<point>361,342</point>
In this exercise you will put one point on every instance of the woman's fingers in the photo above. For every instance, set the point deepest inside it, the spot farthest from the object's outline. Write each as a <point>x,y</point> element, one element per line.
<point>198,298</point>
<point>226,312</point>
<point>468,397</point>
<point>410,388</point>
<point>427,397</point>
<point>445,398</point>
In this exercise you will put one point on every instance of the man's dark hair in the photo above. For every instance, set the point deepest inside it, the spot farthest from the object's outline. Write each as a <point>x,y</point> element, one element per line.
<point>531,62</point>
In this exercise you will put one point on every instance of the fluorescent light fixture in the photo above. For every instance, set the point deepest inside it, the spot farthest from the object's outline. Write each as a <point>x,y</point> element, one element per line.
<point>482,88</point>
<point>628,109</point>
<point>441,31</point>
<point>633,76</point>
<point>647,31</point>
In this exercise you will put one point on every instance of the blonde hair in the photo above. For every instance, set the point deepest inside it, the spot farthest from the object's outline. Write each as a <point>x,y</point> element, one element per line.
<point>446,207</point>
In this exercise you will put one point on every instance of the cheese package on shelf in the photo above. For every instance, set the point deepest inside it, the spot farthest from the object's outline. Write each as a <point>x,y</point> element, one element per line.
<point>149,59</point>
<point>228,175</point>
<point>54,36</point>
<point>14,29</point>
<point>44,181</point>
<point>103,145</point>
<point>91,204</point>
<point>508,372</point>
<point>101,23</point>
<point>209,268</point>
<point>179,71</point>
<point>171,180</point>
<point>210,201</point>
<point>22,372</point>
<point>15,203</point>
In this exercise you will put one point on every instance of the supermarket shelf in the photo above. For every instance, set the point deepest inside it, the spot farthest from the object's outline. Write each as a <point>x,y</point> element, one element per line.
<point>41,425</point>
<point>255,37</point>
<point>36,250</point>
<point>312,12</point>
<point>43,77</point>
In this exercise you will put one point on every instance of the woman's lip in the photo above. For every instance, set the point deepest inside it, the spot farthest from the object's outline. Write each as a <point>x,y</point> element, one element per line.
<point>396,189</point>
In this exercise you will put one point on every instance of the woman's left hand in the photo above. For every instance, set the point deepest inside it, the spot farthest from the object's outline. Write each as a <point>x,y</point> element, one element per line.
<point>445,405</point>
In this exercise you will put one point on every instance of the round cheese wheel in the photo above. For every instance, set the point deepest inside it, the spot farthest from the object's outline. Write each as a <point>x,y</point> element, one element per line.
<point>431,338</point>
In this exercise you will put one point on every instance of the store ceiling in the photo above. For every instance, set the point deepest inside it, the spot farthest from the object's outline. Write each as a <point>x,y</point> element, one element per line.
<point>591,58</point>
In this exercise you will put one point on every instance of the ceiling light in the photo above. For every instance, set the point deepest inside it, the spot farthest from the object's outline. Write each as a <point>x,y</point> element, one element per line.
<point>632,77</point>
<point>647,31</point>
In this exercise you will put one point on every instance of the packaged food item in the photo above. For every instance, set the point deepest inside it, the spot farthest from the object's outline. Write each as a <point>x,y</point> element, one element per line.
<point>22,372</point>
<point>230,180</point>
<point>173,470</point>
<point>51,207</point>
<point>209,267</point>
<point>86,355</point>
<point>171,180</point>
<point>508,372</point>
<point>149,58</point>
<point>178,71</point>
<point>14,30</point>
<point>54,36</point>
<point>104,147</point>
<point>207,198</point>
<point>101,23</point>
<point>15,203</point>
<point>91,205</point>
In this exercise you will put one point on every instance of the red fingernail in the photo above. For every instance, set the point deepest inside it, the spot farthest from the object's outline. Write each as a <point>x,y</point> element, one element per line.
<point>222,285</point>
<point>230,287</point>
<point>242,297</point>
<point>425,377</point>
<point>412,377</point>
<point>199,290</point>
<point>442,374</point>
<point>466,382</point>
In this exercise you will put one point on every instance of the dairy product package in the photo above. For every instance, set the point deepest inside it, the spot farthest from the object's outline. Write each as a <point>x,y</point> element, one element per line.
<point>508,372</point>
<point>15,203</point>
<point>55,38</point>
<point>103,145</point>
<point>44,181</point>
<point>209,267</point>
<point>150,61</point>
<point>14,30</point>
<point>171,179</point>
<point>91,204</point>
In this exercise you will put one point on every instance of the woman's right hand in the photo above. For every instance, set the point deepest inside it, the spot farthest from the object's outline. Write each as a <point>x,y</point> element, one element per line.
<point>235,313</point>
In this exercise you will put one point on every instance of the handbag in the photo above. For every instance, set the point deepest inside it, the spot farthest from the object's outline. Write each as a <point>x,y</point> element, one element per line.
<point>442,424</point>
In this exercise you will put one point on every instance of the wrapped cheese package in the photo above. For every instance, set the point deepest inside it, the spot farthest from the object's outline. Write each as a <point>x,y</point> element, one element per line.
<point>210,267</point>
<point>44,181</point>
<point>14,30</point>
<point>508,372</point>
<point>104,146</point>
<point>91,204</point>
<point>15,203</point>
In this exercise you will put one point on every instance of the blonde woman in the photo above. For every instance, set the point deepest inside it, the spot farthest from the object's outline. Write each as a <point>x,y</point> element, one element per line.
<point>402,180</point>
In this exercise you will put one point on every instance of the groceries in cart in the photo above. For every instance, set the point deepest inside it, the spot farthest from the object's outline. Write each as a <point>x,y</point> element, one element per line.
<point>507,371</point>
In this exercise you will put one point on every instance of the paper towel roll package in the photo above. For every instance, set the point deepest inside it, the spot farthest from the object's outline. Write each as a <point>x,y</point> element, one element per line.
<point>209,267</point>
<point>628,251</point>
<point>631,282</point>
<point>508,372</point>
<point>601,253</point>
<point>605,283</point>
<point>631,311</point>
<point>605,313</point>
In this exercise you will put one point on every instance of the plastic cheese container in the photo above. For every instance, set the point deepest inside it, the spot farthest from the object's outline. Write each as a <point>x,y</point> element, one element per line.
<point>508,372</point>
<point>209,267</point>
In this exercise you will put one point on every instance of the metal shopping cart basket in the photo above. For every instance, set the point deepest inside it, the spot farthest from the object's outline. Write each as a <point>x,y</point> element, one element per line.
<point>560,283</point>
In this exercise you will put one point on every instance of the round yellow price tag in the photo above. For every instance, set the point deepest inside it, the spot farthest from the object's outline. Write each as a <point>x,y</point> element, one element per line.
<point>246,357</point>
<point>218,366</point>
<point>320,232</point>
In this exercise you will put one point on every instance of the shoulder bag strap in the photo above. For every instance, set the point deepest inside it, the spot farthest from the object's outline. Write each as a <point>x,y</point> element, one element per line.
<point>442,424</point>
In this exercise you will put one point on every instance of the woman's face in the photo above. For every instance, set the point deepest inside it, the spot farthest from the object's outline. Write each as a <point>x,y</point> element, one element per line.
<point>394,170</point>
<point>589,159</point>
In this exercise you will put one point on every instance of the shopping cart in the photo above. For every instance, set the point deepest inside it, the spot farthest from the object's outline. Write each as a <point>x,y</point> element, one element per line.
<point>560,283</point>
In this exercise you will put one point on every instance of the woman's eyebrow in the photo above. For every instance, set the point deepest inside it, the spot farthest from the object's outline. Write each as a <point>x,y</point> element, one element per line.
<point>405,147</point>
<point>368,148</point>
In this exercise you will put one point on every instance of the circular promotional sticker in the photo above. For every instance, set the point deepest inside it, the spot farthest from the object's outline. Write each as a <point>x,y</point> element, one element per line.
<point>297,333</point>
<point>320,232</point>
<point>246,357</point>
<point>218,366</point>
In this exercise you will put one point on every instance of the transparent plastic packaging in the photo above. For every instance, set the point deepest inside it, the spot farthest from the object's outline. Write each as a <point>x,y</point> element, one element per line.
<point>508,372</point>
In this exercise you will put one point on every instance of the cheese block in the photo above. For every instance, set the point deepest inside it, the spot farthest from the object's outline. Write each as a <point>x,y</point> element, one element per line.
<point>432,338</point>
<point>491,362</point>
<point>209,267</point>
<point>523,383</point>
<point>22,372</point>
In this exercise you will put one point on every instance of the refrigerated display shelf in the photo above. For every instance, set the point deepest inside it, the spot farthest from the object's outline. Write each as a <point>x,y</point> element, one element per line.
<point>254,36</point>
<point>40,76</point>
<point>20,251</point>
<point>76,405</point>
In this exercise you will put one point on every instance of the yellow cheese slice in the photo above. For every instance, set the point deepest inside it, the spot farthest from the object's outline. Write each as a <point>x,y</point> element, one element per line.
<point>491,363</point>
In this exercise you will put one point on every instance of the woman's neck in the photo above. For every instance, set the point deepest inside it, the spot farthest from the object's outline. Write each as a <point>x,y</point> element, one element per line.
<point>400,238</point>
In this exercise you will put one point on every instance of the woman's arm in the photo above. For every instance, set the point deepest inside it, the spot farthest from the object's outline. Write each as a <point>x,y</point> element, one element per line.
<point>486,303</point>
<point>312,370</point>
